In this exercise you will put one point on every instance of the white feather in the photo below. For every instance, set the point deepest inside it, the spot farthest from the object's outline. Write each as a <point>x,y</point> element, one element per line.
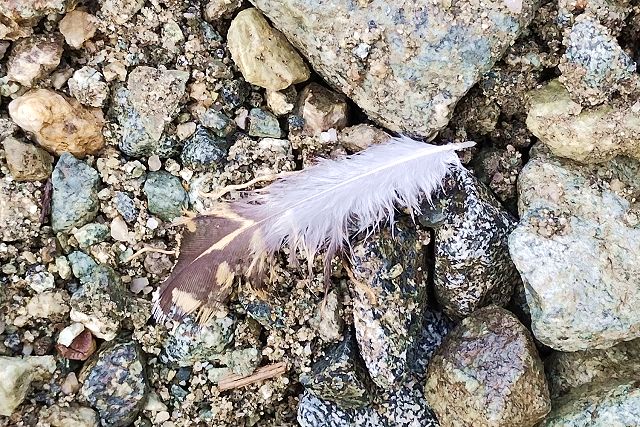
<point>318,208</point>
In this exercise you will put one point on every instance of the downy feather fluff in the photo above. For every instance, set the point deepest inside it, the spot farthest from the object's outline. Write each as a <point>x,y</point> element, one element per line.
<point>312,211</point>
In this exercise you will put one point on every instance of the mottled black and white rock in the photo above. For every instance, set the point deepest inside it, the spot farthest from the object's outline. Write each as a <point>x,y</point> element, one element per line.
<point>204,150</point>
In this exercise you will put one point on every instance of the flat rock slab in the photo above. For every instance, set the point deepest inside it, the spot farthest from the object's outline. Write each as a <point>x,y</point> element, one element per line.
<point>405,63</point>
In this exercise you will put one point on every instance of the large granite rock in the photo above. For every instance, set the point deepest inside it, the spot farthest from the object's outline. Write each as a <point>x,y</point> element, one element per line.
<point>488,373</point>
<point>433,52</point>
<point>577,247</point>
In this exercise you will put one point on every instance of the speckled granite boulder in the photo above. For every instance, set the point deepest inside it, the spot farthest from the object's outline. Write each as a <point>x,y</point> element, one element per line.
<point>488,373</point>
<point>388,300</point>
<point>115,383</point>
<point>432,52</point>
<point>567,371</point>
<point>577,246</point>
<point>75,193</point>
<point>402,407</point>
<point>340,376</point>
<point>612,404</point>
<point>472,263</point>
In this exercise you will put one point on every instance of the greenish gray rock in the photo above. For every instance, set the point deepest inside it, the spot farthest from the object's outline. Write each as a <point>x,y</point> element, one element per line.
<point>17,374</point>
<point>81,264</point>
<point>204,150</point>
<point>265,313</point>
<point>433,52</point>
<point>166,197</point>
<point>74,201</point>
<point>218,122</point>
<point>263,124</point>
<point>567,371</point>
<point>388,303</point>
<point>340,376</point>
<point>610,404</point>
<point>114,383</point>
<point>90,234</point>
<point>576,248</point>
<point>126,207</point>
<point>488,373</point>
<point>472,264</point>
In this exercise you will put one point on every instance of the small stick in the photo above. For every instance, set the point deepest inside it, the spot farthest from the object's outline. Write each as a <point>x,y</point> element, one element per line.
<point>235,187</point>
<point>149,249</point>
<point>361,285</point>
<point>234,381</point>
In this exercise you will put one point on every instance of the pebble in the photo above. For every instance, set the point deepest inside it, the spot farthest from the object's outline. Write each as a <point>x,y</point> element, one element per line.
<point>119,230</point>
<point>358,137</point>
<point>76,416</point>
<point>204,150</point>
<point>91,234</point>
<point>52,305</point>
<point>488,373</point>
<point>185,130</point>
<point>88,87</point>
<point>63,267</point>
<point>154,163</point>
<point>57,123</point>
<point>19,19</point>
<point>126,206</point>
<point>281,102</point>
<point>41,281</point>
<point>26,162</point>
<point>138,284</point>
<point>81,348</point>
<point>263,55</point>
<point>322,109</point>
<point>33,58</point>
<point>17,375</point>
<point>120,11</point>
<point>327,319</point>
<point>218,9</point>
<point>74,201</point>
<point>166,197</point>
<point>263,124</point>
<point>68,334</point>
<point>81,264</point>
<point>218,122</point>
<point>77,27</point>
<point>70,384</point>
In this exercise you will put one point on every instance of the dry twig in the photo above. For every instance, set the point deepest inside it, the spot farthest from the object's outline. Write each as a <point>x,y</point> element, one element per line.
<point>234,381</point>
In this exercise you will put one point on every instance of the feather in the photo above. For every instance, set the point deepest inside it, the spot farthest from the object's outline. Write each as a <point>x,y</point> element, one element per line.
<point>312,211</point>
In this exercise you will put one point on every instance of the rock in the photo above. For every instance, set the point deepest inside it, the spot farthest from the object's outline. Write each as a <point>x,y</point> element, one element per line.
<point>340,376</point>
<point>388,303</point>
<point>33,58</point>
<point>472,264</point>
<point>602,404</point>
<point>166,197</point>
<point>77,27</point>
<point>115,384</point>
<point>20,209</point>
<point>575,247</point>
<point>321,109</point>
<point>185,130</point>
<point>76,416</point>
<point>100,303</point>
<point>119,230</point>
<point>594,66</point>
<point>68,334</point>
<point>16,374</point>
<point>81,264</point>
<point>52,306</point>
<point>327,319</point>
<point>435,327</point>
<point>74,201</point>
<point>144,108</point>
<point>58,123</point>
<point>263,124</point>
<point>263,55</point>
<point>20,16</point>
<point>359,137</point>
<point>204,150</point>
<point>585,135</point>
<point>265,313</point>
<point>568,371</point>
<point>81,348</point>
<point>488,373</point>
<point>281,102</point>
<point>91,234</point>
<point>611,13</point>
<point>27,162</point>
<point>126,207</point>
<point>63,267</point>
<point>190,343</point>
<point>218,9</point>
<point>41,281</point>
<point>218,122</point>
<point>432,52</point>
<point>120,11</point>
<point>154,163</point>
<point>88,88</point>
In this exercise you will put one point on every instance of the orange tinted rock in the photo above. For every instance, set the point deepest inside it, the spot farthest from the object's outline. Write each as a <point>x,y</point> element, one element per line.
<point>82,347</point>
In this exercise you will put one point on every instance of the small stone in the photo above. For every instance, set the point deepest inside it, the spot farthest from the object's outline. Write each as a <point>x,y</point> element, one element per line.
<point>27,162</point>
<point>81,264</point>
<point>68,334</point>
<point>166,197</point>
<point>435,327</point>
<point>19,17</point>
<point>218,122</point>
<point>263,124</point>
<point>49,305</point>
<point>204,150</point>
<point>263,54</point>
<point>58,123</point>
<point>358,137</point>
<point>63,267</point>
<point>33,58</point>
<point>172,36</point>
<point>138,284</point>
<point>243,361</point>
<point>17,374</point>
<point>81,348</point>
<point>265,313</point>
<point>218,9</point>
<point>91,234</point>
<point>161,417</point>
<point>488,373</point>
<point>282,102</point>
<point>88,88</point>
<point>327,320</point>
<point>152,223</point>
<point>115,383</point>
<point>154,163</point>
<point>115,70</point>
<point>76,416</point>
<point>75,197</point>
<point>77,27</point>
<point>119,230</point>
<point>126,206</point>
<point>120,11</point>
<point>185,130</point>
<point>321,109</point>
<point>41,281</point>
<point>70,384</point>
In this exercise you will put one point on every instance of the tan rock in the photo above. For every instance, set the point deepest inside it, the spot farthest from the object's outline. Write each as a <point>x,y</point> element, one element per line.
<point>58,123</point>
<point>282,102</point>
<point>263,54</point>
<point>33,58</point>
<point>27,162</point>
<point>321,109</point>
<point>218,9</point>
<point>77,27</point>
<point>20,15</point>
<point>76,416</point>
<point>120,11</point>
<point>17,374</point>
<point>358,137</point>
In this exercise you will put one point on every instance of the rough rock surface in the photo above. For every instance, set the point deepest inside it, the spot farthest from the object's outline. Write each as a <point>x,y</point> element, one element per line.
<point>76,416</point>
<point>433,52</point>
<point>27,162</point>
<point>321,109</point>
<point>77,27</point>
<point>115,383</point>
<point>33,58</point>
<point>488,373</point>
<point>585,135</point>
<point>88,87</point>
<point>472,264</point>
<point>20,16</point>
<point>165,195</point>
<point>204,150</point>
<point>17,374</point>
<point>575,247</point>
<point>58,123</point>
<point>265,57</point>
